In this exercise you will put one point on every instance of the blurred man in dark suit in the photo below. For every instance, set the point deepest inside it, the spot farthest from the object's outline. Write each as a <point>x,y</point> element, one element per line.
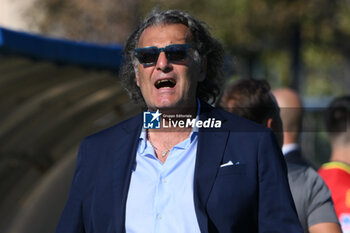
<point>253,100</point>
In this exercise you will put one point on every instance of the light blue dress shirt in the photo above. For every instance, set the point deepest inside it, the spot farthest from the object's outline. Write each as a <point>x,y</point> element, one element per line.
<point>160,197</point>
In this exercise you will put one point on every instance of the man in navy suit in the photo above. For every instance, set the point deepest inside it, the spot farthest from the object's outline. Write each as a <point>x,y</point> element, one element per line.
<point>182,166</point>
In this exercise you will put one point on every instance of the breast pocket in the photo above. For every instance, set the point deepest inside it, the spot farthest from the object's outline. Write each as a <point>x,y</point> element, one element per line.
<point>233,169</point>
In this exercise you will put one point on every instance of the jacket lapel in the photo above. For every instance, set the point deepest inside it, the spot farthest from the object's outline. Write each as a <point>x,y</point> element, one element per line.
<point>210,151</point>
<point>208,161</point>
<point>124,158</point>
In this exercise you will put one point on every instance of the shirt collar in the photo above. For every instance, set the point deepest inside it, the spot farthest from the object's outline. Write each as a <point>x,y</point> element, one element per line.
<point>142,141</point>
<point>289,147</point>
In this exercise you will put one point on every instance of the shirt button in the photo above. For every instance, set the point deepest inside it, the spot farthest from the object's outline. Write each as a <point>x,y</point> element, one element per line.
<point>159,216</point>
<point>164,180</point>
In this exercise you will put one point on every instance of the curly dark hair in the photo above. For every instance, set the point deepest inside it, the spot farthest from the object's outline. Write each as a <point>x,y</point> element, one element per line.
<point>201,38</point>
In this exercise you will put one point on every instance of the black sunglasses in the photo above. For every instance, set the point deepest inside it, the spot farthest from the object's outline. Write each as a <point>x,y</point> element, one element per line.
<point>174,53</point>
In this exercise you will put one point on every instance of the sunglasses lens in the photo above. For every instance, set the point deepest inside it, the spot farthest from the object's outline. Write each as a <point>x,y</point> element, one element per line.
<point>147,55</point>
<point>176,52</point>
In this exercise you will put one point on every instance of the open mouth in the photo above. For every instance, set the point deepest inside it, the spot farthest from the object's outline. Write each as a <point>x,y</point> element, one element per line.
<point>165,83</point>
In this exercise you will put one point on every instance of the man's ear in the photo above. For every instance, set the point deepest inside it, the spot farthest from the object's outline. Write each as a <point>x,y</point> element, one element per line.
<point>269,123</point>
<point>203,69</point>
<point>137,77</point>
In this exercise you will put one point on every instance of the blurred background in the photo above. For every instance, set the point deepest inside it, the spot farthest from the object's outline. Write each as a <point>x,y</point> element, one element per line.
<point>59,63</point>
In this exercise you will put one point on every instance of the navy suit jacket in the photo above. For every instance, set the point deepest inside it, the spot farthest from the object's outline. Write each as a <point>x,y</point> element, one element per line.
<point>252,196</point>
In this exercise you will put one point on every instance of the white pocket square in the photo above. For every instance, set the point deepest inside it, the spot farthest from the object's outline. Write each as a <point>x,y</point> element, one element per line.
<point>229,163</point>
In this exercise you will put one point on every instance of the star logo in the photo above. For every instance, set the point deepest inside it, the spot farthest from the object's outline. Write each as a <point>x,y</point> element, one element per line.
<point>151,120</point>
<point>156,115</point>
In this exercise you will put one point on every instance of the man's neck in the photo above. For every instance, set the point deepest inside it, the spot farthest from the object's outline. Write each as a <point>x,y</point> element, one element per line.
<point>184,111</point>
<point>341,154</point>
<point>163,141</point>
<point>173,130</point>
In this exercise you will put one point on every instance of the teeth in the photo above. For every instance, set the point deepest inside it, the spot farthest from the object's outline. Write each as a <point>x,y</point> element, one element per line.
<point>166,80</point>
<point>165,83</point>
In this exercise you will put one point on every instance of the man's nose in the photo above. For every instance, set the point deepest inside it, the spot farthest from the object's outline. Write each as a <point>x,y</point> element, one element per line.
<point>163,62</point>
